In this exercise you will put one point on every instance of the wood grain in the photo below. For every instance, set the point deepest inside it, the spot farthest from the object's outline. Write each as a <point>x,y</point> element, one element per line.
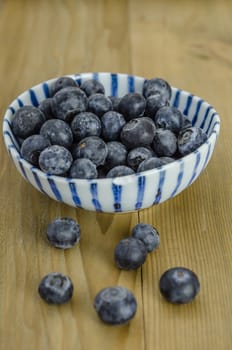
<point>190,44</point>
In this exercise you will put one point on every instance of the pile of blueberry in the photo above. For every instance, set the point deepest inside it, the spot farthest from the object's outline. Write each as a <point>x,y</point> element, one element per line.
<point>79,132</point>
<point>116,304</point>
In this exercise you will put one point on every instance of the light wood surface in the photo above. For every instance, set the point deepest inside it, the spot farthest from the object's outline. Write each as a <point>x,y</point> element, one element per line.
<point>189,43</point>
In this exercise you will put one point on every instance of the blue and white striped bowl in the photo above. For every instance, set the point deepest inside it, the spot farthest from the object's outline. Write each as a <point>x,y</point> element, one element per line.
<point>126,193</point>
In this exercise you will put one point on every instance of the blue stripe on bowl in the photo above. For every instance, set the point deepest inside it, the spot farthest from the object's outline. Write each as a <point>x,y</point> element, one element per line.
<point>140,191</point>
<point>46,90</point>
<point>195,117</point>
<point>12,109</point>
<point>176,101</point>
<point>188,104</point>
<point>95,76</point>
<point>7,122</point>
<point>54,188</point>
<point>114,84</point>
<point>75,197</point>
<point>20,102</point>
<point>160,186</point>
<point>117,194</point>
<point>13,140</point>
<point>22,168</point>
<point>205,117</point>
<point>207,155</point>
<point>33,98</point>
<point>94,192</point>
<point>37,179</point>
<point>179,179</point>
<point>131,83</point>
<point>197,161</point>
<point>211,120</point>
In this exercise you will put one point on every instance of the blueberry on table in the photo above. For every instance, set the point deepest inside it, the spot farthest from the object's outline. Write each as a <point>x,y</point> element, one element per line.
<point>46,107</point>
<point>63,232</point>
<point>117,154</point>
<point>32,146</point>
<point>27,121</point>
<point>148,235</point>
<point>93,148</point>
<point>67,102</point>
<point>179,285</point>
<point>92,86</point>
<point>115,305</point>
<point>138,155</point>
<point>169,118</point>
<point>58,132</point>
<point>150,163</point>
<point>55,160</point>
<point>56,288</point>
<point>85,124</point>
<point>132,105</point>
<point>112,124</point>
<point>62,83</point>
<point>154,85</point>
<point>164,143</point>
<point>190,139</point>
<point>99,104</point>
<point>154,103</point>
<point>138,132</point>
<point>83,168</point>
<point>130,253</point>
<point>119,170</point>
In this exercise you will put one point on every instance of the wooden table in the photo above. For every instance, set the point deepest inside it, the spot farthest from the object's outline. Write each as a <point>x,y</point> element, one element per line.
<point>189,43</point>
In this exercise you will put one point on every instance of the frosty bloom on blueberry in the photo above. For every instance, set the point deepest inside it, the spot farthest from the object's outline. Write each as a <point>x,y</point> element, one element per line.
<point>56,288</point>
<point>63,233</point>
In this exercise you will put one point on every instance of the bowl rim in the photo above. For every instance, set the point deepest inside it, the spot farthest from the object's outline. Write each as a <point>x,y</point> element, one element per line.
<point>11,143</point>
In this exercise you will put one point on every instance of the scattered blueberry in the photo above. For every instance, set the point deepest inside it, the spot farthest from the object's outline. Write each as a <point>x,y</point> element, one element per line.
<point>32,146</point>
<point>179,285</point>
<point>93,148</point>
<point>138,132</point>
<point>148,235</point>
<point>130,253</point>
<point>152,86</point>
<point>67,102</point>
<point>150,163</point>
<point>132,105</point>
<point>83,168</point>
<point>190,139</point>
<point>112,124</point>
<point>46,107</point>
<point>164,143</point>
<point>169,118</point>
<point>61,83</point>
<point>55,160</point>
<point>56,288</point>
<point>120,170</point>
<point>154,103</point>
<point>92,86</point>
<point>99,104</point>
<point>58,132</point>
<point>117,154</point>
<point>138,155</point>
<point>27,121</point>
<point>63,233</point>
<point>115,305</point>
<point>85,124</point>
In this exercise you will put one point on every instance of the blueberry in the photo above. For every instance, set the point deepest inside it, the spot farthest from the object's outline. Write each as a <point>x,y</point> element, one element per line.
<point>56,288</point>
<point>83,168</point>
<point>85,124</point>
<point>99,104</point>
<point>138,132</point>
<point>63,232</point>
<point>190,139</point>
<point>167,160</point>
<point>55,160</point>
<point>148,235</point>
<point>120,170</point>
<point>150,163</point>
<point>186,124</point>
<point>115,305</point>
<point>154,103</point>
<point>68,102</point>
<point>179,285</point>
<point>138,155</point>
<point>32,146</point>
<point>130,253</point>
<point>27,121</point>
<point>46,107</point>
<point>169,118</point>
<point>117,154</point>
<point>112,124</point>
<point>164,143</point>
<point>115,102</point>
<point>102,171</point>
<point>92,86</point>
<point>154,85</point>
<point>58,132</point>
<point>93,148</point>
<point>62,83</point>
<point>132,105</point>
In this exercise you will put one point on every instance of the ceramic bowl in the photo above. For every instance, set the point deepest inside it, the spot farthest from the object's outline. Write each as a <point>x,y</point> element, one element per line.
<point>128,193</point>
